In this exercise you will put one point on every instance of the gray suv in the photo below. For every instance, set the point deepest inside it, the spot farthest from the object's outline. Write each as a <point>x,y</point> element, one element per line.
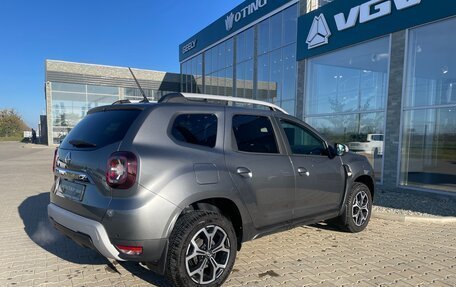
<point>180,184</point>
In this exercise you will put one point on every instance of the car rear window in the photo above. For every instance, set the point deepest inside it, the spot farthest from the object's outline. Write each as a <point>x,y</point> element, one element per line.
<point>197,129</point>
<point>100,129</point>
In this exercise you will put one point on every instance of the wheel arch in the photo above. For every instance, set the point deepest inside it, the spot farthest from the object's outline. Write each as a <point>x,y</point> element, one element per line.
<point>225,206</point>
<point>368,181</point>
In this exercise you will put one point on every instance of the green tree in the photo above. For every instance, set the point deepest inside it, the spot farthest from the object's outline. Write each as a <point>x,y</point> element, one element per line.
<point>11,124</point>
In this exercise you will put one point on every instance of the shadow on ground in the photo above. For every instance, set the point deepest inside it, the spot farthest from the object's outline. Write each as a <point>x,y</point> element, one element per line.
<point>33,212</point>
<point>439,205</point>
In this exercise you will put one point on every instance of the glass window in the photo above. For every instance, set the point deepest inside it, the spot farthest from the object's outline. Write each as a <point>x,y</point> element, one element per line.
<point>263,37</point>
<point>66,87</point>
<point>276,76</point>
<point>290,19</point>
<point>208,61</point>
<point>353,130</point>
<point>102,128</point>
<point>214,57</point>
<point>254,134</point>
<point>229,53</point>
<point>96,100</point>
<point>352,79</point>
<point>263,77</point>
<point>428,153</point>
<point>221,56</point>
<point>102,90</point>
<point>428,150</point>
<point>229,82</point>
<point>289,72</point>
<point>244,45</point>
<point>275,36</point>
<point>431,71</point>
<point>289,106</point>
<point>301,140</point>
<point>197,129</point>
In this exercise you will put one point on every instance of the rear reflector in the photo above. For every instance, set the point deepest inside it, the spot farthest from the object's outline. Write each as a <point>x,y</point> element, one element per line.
<point>130,250</point>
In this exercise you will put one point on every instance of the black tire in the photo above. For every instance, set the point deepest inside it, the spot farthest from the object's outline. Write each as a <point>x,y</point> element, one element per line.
<point>189,228</point>
<point>348,220</point>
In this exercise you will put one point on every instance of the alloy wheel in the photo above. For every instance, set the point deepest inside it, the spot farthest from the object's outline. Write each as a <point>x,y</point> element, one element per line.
<point>207,254</point>
<point>360,208</point>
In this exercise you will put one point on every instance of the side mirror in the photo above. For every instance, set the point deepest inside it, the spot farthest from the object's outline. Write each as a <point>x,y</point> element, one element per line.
<point>341,149</point>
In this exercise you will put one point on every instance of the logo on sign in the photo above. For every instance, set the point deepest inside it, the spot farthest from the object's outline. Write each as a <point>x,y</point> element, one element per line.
<point>319,32</point>
<point>187,47</point>
<point>229,21</point>
<point>246,11</point>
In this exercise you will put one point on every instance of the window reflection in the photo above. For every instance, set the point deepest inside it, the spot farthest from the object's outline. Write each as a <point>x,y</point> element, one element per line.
<point>346,97</point>
<point>276,65</point>
<point>428,152</point>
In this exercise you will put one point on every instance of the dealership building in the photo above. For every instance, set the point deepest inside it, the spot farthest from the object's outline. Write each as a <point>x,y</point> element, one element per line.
<point>349,68</point>
<point>72,89</point>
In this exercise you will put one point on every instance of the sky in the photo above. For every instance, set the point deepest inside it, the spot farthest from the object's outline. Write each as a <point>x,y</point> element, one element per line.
<point>132,33</point>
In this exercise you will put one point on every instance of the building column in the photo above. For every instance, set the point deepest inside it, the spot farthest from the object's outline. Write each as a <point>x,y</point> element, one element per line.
<point>48,97</point>
<point>394,111</point>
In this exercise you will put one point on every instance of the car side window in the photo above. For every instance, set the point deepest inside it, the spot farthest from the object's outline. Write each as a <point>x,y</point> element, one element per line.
<point>254,134</point>
<point>301,140</point>
<point>197,129</point>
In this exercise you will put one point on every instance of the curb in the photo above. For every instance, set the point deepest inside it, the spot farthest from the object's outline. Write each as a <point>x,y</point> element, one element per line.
<point>37,146</point>
<point>414,219</point>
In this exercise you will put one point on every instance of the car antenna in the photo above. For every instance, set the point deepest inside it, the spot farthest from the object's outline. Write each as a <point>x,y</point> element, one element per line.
<point>145,100</point>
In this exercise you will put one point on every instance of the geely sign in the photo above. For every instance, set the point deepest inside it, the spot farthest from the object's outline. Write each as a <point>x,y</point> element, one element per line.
<point>235,17</point>
<point>343,23</point>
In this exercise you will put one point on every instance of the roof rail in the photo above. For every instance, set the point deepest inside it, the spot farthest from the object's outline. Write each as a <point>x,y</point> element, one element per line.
<point>183,97</point>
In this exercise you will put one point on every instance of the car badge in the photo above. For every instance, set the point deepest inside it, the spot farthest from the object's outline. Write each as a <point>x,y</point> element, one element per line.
<point>67,159</point>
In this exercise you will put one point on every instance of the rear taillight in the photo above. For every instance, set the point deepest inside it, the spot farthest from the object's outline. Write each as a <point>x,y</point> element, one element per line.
<point>121,170</point>
<point>55,158</point>
<point>130,250</point>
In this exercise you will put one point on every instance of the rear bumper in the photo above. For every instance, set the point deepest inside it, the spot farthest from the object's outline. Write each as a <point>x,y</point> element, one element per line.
<point>82,230</point>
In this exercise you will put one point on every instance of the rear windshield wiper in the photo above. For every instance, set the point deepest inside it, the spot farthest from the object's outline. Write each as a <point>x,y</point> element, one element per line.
<point>81,143</point>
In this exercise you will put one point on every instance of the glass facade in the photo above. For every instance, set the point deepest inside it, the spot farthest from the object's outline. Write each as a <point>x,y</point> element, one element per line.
<point>346,94</point>
<point>428,150</point>
<point>71,102</point>
<point>264,69</point>
<point>276,65</point>
<point>345,91</point>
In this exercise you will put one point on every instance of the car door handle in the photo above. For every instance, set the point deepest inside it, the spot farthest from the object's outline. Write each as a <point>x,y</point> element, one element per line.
<point>244,172</point>
<point>303,171</point>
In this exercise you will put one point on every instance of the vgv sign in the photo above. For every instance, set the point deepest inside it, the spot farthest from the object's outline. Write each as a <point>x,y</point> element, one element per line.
<point>369,11</point>
<point>319,31</point>
<point>349,22</point>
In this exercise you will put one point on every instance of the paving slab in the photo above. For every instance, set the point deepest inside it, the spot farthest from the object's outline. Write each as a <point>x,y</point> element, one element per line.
<point>388,253</point>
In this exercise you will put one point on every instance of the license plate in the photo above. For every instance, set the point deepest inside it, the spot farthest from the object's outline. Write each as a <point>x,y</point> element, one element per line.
<point>71,190</point>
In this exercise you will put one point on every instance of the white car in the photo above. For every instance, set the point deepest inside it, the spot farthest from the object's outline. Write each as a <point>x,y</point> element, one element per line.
<point>373,145</point>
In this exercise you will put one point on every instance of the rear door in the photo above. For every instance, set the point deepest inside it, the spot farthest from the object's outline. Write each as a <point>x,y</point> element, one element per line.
<point>81,161</point>
<point>319,178</point>
<point>259,167</point>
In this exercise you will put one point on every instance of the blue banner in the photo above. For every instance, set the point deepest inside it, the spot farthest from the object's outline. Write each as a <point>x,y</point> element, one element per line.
<point>343,23</point>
